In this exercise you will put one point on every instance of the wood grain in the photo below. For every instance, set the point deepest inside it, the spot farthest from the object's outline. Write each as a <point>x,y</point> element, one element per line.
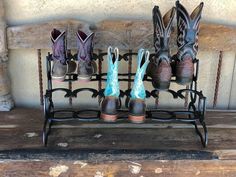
<point>179,168</point>
<point>117,151</point>
<point>124,34</point>
<point>17,124</point>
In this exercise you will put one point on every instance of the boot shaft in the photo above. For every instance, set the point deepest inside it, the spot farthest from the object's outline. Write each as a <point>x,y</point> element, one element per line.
<point>85,46</point>
<point>188,29</point>
<point>58,45</point>
<point>162,30</point>
<point>112,84</point>
<point>111,102</point>
<point>138,89</point>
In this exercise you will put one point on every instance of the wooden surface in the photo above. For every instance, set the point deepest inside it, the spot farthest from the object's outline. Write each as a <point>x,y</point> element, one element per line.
<point>119,168</point>
<point>16,127</point>
<point>88,149</point>
<point>123,34</point>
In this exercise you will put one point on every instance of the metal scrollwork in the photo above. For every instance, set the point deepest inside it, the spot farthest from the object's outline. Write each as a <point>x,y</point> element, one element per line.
<point>195,112</point>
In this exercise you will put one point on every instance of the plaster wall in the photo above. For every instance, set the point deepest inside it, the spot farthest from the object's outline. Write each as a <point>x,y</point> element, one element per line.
<point>23,63</point>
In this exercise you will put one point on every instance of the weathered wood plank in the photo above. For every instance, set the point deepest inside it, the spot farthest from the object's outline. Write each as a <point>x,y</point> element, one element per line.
<point>22,118</point>
<point>108,152</point>
<point>22,129</point>
<point>178,168</point>
<point>38,36</point>
<point>123,34</point>
<point>225,154</point>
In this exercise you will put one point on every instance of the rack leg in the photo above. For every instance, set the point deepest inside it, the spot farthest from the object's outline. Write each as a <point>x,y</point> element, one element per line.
<point>204,136</point>
<point>46,130</point>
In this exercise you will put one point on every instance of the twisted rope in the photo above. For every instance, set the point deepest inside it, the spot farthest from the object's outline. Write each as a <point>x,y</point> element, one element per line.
<point>217,79</point>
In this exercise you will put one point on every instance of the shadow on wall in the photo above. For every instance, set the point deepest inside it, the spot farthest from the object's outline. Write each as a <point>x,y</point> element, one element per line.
<point>23,63</point>
<point>25,87</point>
<point>34,11</point>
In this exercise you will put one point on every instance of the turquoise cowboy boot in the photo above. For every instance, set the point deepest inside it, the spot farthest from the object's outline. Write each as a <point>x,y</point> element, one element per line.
<point>110,104</point>
<point>137,106</point>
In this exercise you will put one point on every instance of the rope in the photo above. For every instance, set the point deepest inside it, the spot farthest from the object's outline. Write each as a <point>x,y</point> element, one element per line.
<point>217,79</point>
<point>40,76</point>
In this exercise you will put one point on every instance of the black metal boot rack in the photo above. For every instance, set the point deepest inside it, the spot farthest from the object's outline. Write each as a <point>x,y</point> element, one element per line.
<point>194,113</point>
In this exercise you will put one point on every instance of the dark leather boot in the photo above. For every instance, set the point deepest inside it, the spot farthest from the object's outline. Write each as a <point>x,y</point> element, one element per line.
<point>61,66</point>
<point>187,41</point>
<point>111,103</point>
<point>137,106</point>
<point>137,110</point>
<point>109,107</point>
<point>159,68</point>
<point>86,65</point>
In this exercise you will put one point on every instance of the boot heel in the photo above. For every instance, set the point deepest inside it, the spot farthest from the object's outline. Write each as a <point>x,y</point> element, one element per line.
<point>137,119</point>
<point>108,118</point>
<point>161,85</point>
<point>58,79</point>
<point>84,78</point>
<point>184,80</point>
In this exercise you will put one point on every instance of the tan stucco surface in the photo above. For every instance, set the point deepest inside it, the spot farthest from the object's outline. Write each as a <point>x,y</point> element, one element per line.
<point>33,11</point>
<point>23,63</point>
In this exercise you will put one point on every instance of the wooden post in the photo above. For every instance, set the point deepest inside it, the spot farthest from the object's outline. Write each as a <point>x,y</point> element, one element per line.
<point>6,102</point>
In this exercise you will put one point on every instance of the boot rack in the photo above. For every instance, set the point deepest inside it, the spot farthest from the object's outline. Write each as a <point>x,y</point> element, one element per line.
<point>194,113</point>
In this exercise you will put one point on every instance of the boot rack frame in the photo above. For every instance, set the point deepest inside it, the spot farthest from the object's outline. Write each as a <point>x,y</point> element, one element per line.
<point>195,108</point>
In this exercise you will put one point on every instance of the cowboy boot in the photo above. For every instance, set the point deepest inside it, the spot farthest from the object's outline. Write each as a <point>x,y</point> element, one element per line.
<point>159,69</point>
<point>137,106</point>
<point>61,66</point>
<point>86,65</point>
<point>187,41</point>
<point>111,103</point>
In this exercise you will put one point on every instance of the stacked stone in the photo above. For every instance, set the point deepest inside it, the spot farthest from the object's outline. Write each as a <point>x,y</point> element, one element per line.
<point>6,101</point>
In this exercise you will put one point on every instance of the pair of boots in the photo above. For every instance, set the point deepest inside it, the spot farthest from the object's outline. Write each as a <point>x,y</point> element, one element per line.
<point>159,68</point>
<point>111,102</point>
<point>62,65</point>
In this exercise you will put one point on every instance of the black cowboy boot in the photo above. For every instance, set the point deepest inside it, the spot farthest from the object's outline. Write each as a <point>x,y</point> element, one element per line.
<point>61,66</point>
<point>86,65</point>
<point>187,41</point>
<point>159,68</point>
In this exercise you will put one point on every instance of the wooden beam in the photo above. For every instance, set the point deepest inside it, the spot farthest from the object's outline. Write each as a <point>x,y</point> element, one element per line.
<point>22,128</point>
<point>123,34</point>
<point>178,168</point>
<point>38,36</point>
<point>160,152</point>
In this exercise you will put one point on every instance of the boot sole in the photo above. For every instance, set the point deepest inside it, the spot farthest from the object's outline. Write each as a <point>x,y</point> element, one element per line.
<point>183,80</point>
<point>161,85</point>
<point>108,117</point>
<point>136,119</point>
<point>59,79</point>
<point>84,78</point>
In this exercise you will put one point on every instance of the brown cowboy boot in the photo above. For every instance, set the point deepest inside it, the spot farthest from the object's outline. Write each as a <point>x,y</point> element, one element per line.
<point>61,66</point>
<point>159,68</point>
<point>187,41</point>
<point>137,105</point>
<point>86,65</point>
<point>111,103</point>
